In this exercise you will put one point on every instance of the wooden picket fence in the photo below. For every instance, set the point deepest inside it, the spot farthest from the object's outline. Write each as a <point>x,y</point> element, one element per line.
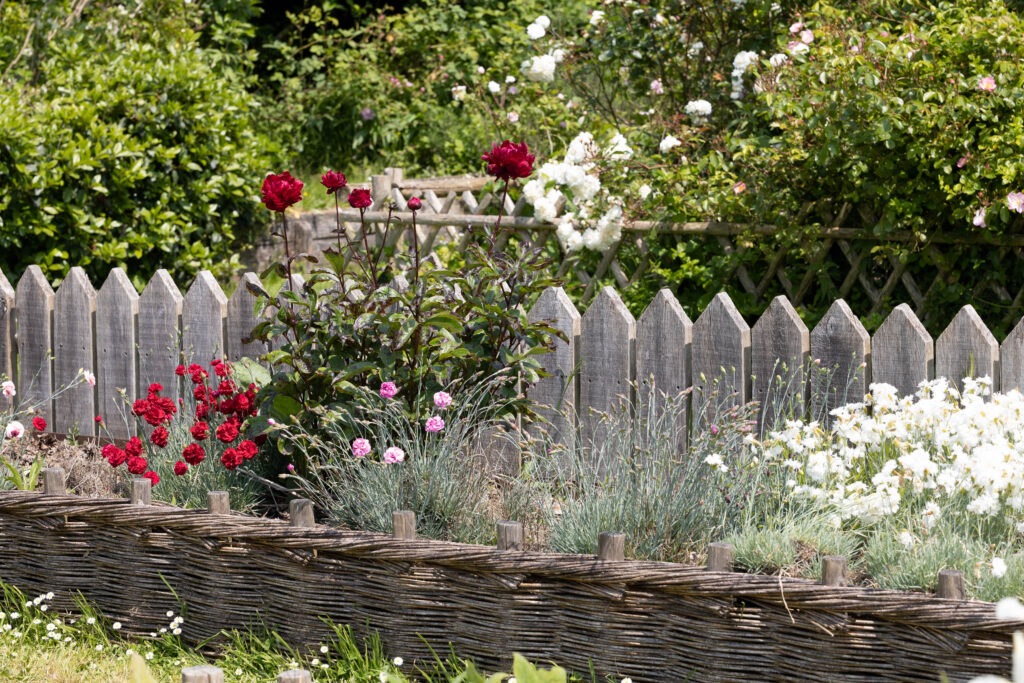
<point>130,340</point>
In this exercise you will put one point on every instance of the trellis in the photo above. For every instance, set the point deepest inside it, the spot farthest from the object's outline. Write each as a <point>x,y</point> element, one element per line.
<point>454,207</point>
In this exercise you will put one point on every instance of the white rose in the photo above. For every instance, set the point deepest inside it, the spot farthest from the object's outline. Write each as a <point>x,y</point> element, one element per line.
<point>644,191</point>
<point>493,87</point>
<point>534,31</point>
<point>667,143</point>
<point>596,17</point>
<point>542,21</point>
<point>458,92</point>
<point>541,68</point>
<point>575,242</point>
<point>533,191</point>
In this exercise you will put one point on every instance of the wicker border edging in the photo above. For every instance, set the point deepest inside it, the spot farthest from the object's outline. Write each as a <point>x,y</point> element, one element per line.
<point>647,620</point>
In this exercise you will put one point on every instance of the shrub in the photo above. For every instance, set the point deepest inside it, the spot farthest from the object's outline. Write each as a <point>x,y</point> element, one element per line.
<point>125,141</point>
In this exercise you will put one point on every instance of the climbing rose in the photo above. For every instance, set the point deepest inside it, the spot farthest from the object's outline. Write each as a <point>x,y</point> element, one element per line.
<point>39,423</point>
<point>359,199</point>
<point>281,191</point>
<point>153,477</point>
<point>415,204</point>
<point>193,454</point>
<point>180,468</point>
<point>509,160</point>
<point>434,424</point>
<point>393,455</point>
<point>388,389</point>
<point>988,84</point>
<point>159,437</point>
<point>442,399</point>
<point>360,448</point>
<point>227,432</point>
<point>333,181</point>
<point>137,465</point>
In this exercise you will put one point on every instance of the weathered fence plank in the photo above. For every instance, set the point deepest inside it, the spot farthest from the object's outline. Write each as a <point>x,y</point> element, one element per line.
<point>34,299</point>
<point>902,352</point>
<point>779,345</point>
<point>555,396</point>
<point>664,335</point>
<point>842,346</point>
<point>160,333</point>
<point>74,311</point>
<point>721,358</point>
<point>966,348</point>
<point>117,307</point>
<point>607,338</point>
<point>203,320</point>
<point>241,319</point>
<point>1011,359</point>
<point>6,329</point>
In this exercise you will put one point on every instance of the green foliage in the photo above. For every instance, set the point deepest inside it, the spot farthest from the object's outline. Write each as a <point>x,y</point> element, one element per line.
<point>354,323</point>
<point>125,139</point>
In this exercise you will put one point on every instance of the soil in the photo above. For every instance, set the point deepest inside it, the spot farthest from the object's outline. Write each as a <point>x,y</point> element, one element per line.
<point>87,473</point>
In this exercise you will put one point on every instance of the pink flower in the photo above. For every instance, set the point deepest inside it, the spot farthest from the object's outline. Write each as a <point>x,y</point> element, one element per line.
<point>388,389</point>
<point>714,430</point>
<point>394,455</point>
<point>513,117</point>
<point>434,424</point>
<point>806,37</point>
<point>360,448</point>
<point>656,87</point>
<point>415,204</point>
<point>739,188</point>
<point>988,84</point>
<point>90,378</point>
<point>797,27</point>
<point>962,161</point>
<point>15,430</point>
<point>291,467</point>
<point>442,399</point>
<point>1015,202</point>
<point>979,217</point>
<point>8,389</point>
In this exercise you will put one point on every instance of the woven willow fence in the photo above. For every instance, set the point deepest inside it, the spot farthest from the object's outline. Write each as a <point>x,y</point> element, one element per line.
<point>647,620</point>
<point>843,262</point>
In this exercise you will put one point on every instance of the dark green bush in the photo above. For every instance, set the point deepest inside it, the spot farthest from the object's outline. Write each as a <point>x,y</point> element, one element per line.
<point>125,141</point>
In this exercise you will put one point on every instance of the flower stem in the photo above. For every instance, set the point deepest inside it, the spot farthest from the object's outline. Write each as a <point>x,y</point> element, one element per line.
<point>287,252</point>
<point>501,212</point>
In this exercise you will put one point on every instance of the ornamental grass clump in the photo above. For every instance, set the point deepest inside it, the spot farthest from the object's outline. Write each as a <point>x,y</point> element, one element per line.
<point>375,311</point>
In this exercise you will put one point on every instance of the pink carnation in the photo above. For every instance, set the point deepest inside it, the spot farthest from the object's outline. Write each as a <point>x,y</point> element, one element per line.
<point>434,424</point>
<point>442,399</point>
<point>388,389</point>
<point>394,455</point>
<point>360,448</point>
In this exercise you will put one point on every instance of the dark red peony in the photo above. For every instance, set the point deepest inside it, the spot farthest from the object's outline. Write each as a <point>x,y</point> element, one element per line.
<point>193,454</point>
<point>359,199</point>
<point>415,204</point>
<point>281,191</point>
<point>333,181</point>
<point>509,160</point>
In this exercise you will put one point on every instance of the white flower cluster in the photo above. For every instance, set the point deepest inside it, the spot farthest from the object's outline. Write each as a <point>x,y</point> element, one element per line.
<point>740,64</point>
<point>538,28</point>
<point>698,110</point>
<point>541,68</point>
<point>546,193</point>
<point>937,445</point>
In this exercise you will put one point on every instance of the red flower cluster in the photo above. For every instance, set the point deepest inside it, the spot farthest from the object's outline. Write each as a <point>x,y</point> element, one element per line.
<point>508,160</point>
<point>281,191</point>
<point>155,409</point>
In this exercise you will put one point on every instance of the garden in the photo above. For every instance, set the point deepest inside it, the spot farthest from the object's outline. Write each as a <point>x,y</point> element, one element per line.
<point>601,342</point>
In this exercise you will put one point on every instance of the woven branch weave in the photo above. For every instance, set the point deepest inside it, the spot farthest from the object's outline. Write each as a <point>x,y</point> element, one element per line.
<point>650,621</point>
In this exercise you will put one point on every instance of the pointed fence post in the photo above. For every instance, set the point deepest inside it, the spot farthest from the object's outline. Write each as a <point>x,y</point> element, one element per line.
<point>34,300</point>
<point>841,348</point>
<point>664,335</point>
<point>117,309</point>
<point>204,673</point>
<point>611,546</point>
<point>203,314</point>
<point>902,352</point>
<point>1011,357</point>
<point>966,348</point>
<point>7,368</point>
<point>403,524</point>
<point>74,310</point>
<point>241,319</point>
<point>160,334</point>
<point>556,396</point>
<point>721,360</point>
<point>53,481</point>
<point>779,346</point>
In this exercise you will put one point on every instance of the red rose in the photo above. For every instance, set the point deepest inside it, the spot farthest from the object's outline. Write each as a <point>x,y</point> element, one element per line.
<point>155,414</point>
<point>155,388</point>
<point>159,437</point>
<point>180,371</point>
<point>281,191</point>
<point>114,455</point>
<point>153,477</point>
<point>140,407</point>
<point>248,449</point>
<point>232,458</point>
<point>227,432</point>
<point>333,181</point>
<point>39,423</point>
<point>180,468</point>
<point>193,454</point>
<point>509,160</point>
<point>200,430</point>
<point>415,204</point>
<point>137,465</point>
<point>134,446</point>
<point>359,199</point>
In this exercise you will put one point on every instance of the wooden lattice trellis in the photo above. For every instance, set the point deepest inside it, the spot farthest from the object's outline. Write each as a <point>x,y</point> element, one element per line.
<point>841,263</point>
